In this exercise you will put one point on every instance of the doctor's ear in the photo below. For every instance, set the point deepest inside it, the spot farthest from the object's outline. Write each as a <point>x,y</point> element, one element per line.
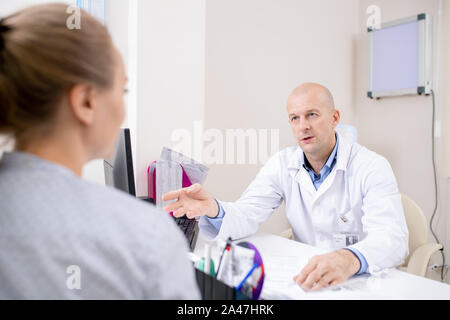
<point>336,116</point>
<point>81,103</point>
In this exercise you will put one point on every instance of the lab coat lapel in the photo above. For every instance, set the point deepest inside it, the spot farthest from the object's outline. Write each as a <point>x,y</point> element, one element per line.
<point>326,184</point>
<point>299,174</point>
<point>304,179</point>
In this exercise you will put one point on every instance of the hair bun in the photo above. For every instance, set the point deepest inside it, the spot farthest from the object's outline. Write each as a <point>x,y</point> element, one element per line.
<point>41,59</point>
<point>3,28</point>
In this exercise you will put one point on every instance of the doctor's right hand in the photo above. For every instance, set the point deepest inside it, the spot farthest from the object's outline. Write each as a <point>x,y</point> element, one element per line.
<point>193,201</point>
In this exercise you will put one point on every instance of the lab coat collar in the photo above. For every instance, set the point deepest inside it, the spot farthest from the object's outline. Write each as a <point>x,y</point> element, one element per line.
<point>343,152</point>
<point>296,161</point>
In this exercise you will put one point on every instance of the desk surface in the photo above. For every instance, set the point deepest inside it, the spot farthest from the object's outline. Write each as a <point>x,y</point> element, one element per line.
<point>278,252</point>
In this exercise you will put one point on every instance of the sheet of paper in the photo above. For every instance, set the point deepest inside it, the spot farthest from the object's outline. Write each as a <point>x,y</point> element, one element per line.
<point>168,177</point>
<point>279,284</point>
<point>279,273</point>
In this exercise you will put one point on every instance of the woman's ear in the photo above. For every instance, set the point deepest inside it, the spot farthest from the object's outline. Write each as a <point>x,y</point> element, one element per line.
<point>81,103</point>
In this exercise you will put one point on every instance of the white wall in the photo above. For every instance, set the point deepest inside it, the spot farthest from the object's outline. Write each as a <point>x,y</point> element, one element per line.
<point>445,89</point>
<point>257,51</point>
<point>162,43</point>
<point>399,128</point>
<point>171,75</point>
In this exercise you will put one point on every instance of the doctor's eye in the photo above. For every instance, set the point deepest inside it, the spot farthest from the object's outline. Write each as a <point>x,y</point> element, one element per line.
<point>294,118</point>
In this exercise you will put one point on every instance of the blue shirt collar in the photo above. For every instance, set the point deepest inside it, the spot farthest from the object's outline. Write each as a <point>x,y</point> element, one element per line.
<point>329,164</point>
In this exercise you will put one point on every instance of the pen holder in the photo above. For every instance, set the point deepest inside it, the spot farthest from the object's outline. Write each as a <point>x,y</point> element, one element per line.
<point>257,260</point>
<point>213,289</point>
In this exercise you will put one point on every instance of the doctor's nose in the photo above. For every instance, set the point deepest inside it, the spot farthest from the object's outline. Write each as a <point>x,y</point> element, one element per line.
<point>303,125</point>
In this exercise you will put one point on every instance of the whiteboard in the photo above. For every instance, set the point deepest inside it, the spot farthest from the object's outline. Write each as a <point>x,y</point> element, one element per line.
<point>400,57</point>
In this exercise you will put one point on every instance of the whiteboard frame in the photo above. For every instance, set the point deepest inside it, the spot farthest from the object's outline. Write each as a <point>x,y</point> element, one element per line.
<point>424,57</point>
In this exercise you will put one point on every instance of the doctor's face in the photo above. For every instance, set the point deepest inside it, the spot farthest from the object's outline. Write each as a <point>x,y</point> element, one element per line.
<point>313,121</point>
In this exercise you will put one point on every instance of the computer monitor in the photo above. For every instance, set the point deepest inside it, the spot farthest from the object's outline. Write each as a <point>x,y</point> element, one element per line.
<point>119,170</point>
<point>119,174</point>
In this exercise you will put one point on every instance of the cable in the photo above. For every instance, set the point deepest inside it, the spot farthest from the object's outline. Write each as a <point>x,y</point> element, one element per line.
<point>435,185</point>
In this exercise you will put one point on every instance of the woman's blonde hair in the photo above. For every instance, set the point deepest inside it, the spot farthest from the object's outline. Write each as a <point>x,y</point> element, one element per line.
<point>41,59</point>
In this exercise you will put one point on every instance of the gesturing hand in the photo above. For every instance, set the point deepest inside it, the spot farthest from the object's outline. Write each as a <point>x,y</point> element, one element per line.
<point>193,201</point>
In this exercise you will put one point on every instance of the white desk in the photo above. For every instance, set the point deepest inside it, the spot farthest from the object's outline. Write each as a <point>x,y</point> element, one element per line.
<point>276,252</point>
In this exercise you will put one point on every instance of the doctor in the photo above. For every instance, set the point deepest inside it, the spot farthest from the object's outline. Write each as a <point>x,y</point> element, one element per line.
<point>339,196</point>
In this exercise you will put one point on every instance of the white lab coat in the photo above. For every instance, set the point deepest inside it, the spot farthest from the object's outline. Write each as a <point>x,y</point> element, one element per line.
<point>360,196</point>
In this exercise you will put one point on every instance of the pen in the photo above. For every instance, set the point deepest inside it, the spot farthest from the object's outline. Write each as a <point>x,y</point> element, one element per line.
<point>227,247</point>
<point>255,265</point>
<point>224,261</point>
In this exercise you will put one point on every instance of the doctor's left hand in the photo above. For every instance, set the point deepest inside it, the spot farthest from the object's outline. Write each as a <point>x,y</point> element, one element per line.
<point>328,269</point>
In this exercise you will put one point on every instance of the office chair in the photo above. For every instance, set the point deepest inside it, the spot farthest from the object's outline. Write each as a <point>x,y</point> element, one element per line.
<point>420,250</point>
<point>287,234</point>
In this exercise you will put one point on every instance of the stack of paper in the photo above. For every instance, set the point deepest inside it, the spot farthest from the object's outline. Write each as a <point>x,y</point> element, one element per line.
<point>195,171</point>
<point>169,177</point>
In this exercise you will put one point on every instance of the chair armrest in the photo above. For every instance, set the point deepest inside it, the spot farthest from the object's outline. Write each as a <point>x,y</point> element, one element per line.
<point>420,258</point>
<point>287,234</point>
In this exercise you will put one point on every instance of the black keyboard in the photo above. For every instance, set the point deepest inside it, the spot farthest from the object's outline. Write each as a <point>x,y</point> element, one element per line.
<point>188,226</point>
<point>190,229</point>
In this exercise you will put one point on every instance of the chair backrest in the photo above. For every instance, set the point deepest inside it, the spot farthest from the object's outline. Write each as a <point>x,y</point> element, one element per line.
<point>417,225</point>
<point>348,131</point>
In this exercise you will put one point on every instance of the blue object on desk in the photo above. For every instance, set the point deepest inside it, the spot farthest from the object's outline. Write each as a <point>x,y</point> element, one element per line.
<point>255,265</point>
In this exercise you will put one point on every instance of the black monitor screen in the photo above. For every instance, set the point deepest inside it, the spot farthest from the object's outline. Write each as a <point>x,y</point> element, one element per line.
<point>119,170</point>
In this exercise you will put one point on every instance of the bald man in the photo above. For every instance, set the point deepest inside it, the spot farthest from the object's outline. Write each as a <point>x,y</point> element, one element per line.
<point>339,196</point>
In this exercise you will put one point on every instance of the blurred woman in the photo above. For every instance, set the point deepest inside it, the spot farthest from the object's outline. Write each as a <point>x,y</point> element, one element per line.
<point>61,99</point>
